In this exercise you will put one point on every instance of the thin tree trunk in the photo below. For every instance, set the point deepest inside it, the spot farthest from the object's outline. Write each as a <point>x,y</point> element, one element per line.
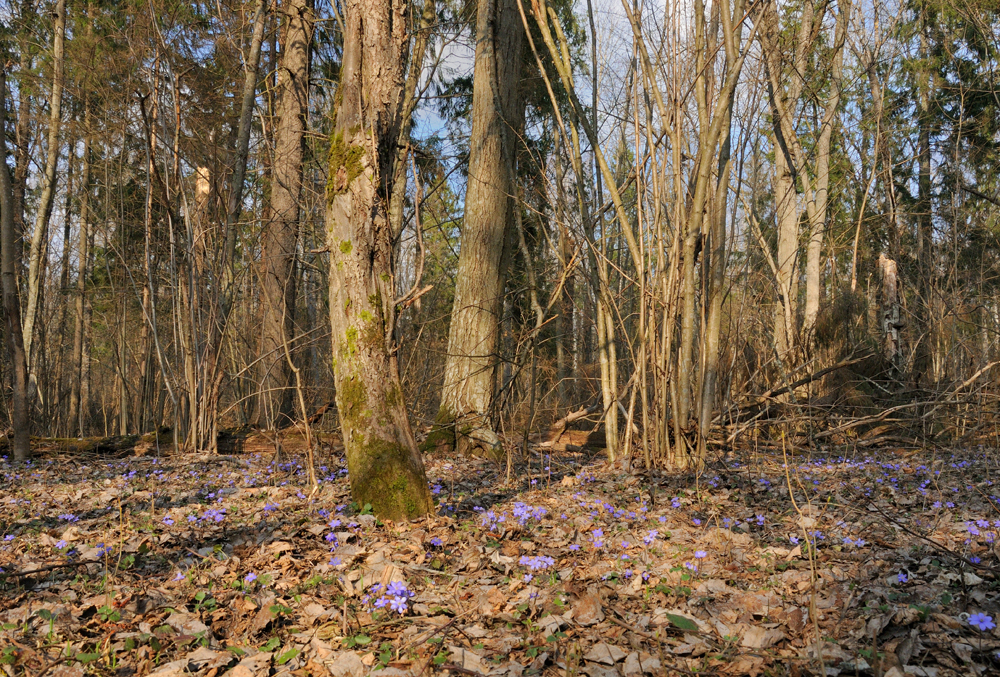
<point>817,224</point>
<point>384,465</point>
<point>60,367</point>
<point>83,261</point>
<point>422,33</point>
<point>282,231</point>
<point>36,263</point>
<point>19,440</point>
<point>925,250</point>
<point>474,333</point>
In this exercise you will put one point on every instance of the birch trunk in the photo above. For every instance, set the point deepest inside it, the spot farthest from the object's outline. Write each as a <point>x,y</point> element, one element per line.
<point>384,465</point>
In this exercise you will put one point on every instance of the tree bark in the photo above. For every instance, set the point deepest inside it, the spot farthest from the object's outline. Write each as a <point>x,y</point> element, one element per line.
<point>474,333</point>
<point>281,235</point>
<point>83,262</point>
<point>36,263</point>
<point>384,465</point>
<point>12,311</point>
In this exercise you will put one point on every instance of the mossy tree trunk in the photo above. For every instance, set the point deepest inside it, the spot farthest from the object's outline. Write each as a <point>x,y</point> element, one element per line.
<point>383,462</point>
<point>487,235</point>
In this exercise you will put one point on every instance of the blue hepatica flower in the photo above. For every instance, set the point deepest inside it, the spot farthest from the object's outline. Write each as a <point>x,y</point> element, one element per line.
<point>437,542</point>
<point>650,537</point>
<point>537,563</point>
<point>981,622</point>
<point>902,577</point>
<point>250,577</point>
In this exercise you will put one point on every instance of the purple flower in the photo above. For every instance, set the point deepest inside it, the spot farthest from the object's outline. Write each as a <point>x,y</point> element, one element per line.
<point>250,577</point>
<point>398,604</point>
<point>700,554</point>
<point>981,622</point>
<point>167,520</point>
<point>650,537</point>
<point>437,542</point>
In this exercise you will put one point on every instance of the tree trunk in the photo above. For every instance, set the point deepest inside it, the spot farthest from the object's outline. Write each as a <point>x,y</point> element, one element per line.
<point>474,333</point>
<point>36,263</point>
<point>384,465</point>
<point>281,234</point>
<point>83,261</point>
<point>11,305</point>
<point>925,251</point>
<point>817,221</point>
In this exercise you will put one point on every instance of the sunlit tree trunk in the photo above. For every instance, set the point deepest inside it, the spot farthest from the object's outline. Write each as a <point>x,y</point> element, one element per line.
<point>11,306</point>
<point>473,336</point>
<point>281,233</point>
<point>819,216</point>
<point>36,263</point>
<point>384,465</point>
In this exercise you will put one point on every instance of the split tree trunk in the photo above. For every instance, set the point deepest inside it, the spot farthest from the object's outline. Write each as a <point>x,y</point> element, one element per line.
<point>281,236</point>
<point>11,304</point>
<point>384,465</point>
<point>474,333</point>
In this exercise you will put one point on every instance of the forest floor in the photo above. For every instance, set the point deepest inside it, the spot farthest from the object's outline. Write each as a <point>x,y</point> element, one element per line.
<point>193,565</point>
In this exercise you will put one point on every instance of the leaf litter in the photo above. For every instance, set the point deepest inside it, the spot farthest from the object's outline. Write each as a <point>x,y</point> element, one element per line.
<point>198,565</point>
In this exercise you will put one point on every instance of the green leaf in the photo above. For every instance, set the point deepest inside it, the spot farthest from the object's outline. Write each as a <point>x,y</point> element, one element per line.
<point>362,639</point>
<point>682,622</point>
<point>287,656</point>
<point>271,645</point>
<point>87,657</point>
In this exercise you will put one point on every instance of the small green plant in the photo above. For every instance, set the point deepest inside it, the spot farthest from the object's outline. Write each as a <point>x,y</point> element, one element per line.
<point>204,602</point>
<point>357,641</point>
<point>109,614</point>
<point>287,656</point>
<point>47,615</point>
<point>385,653</point>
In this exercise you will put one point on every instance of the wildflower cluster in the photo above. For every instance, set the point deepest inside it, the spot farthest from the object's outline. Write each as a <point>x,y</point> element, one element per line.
<point>394,595</point>
<point>538,562</point>
<point>523,513</point>
<point>491,520</point>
